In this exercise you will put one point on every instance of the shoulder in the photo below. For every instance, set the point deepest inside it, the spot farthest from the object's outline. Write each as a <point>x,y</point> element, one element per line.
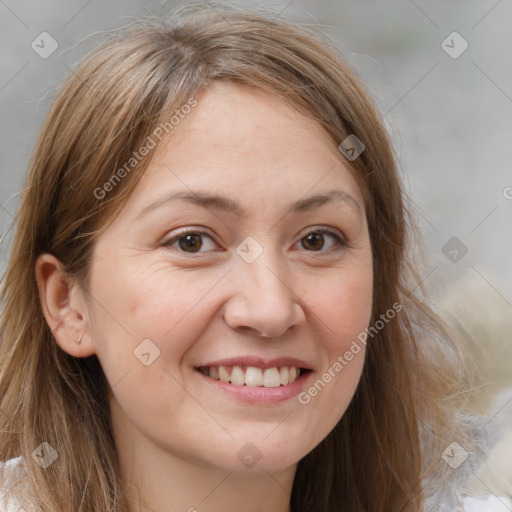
<point>490,504</point>
<point>7,469</point>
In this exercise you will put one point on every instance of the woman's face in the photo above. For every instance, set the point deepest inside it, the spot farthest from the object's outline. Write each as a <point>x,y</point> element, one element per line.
<point>230,282</point>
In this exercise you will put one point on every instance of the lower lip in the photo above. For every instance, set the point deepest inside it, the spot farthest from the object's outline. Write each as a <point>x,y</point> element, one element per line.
<point>259,394</point>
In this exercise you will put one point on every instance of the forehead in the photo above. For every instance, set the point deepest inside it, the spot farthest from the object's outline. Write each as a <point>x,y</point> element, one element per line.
<point>243,142</point>
<point>246,120</point>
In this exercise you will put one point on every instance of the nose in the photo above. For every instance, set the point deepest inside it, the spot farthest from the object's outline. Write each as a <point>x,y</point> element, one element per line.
<point>262,301</point>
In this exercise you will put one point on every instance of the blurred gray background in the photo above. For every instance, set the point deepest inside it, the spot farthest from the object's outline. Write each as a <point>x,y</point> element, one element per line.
<point>441,72</point>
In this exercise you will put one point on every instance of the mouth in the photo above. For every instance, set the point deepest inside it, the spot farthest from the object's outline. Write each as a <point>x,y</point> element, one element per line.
<point>254,376</point>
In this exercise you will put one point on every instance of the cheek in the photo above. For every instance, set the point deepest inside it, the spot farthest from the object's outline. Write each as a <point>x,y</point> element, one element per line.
<point>344,308</point>
<point>147,309</point>
<point>150,301</point>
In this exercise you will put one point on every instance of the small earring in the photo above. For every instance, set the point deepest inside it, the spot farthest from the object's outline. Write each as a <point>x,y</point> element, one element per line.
<point>79,340</point>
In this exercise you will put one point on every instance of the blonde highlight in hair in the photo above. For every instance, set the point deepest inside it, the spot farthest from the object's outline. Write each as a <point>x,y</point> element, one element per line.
<point>384,454</point>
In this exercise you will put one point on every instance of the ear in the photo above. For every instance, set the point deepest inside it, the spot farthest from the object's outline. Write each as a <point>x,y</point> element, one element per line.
<point>63,306</point>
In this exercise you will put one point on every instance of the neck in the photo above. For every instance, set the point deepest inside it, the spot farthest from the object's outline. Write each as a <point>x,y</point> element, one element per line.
<point>206,491</point>
<point>171,484</point>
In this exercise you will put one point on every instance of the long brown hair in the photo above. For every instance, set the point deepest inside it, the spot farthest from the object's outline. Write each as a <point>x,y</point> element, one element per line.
<point>385,453</point>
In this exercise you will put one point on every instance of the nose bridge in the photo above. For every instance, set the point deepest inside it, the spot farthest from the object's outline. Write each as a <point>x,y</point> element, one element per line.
<point>261,298</point>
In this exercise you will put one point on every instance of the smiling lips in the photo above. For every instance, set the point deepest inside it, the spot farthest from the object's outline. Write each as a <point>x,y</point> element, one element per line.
<point>253,376</point>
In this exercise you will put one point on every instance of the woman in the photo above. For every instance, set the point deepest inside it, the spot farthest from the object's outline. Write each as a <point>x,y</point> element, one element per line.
<point>208,304</point>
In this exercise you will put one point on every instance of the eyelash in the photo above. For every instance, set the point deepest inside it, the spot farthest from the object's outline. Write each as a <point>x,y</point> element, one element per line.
<point>340,242</point>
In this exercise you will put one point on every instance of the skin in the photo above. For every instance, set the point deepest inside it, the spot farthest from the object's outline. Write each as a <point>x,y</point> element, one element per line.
<point>176,436</point>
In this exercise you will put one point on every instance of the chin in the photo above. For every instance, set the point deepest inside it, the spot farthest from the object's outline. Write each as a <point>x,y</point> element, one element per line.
<point>261,455</point>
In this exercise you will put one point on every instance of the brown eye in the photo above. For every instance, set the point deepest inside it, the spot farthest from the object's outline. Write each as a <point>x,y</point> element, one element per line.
<point>315,240</point>
<point>190,242</point>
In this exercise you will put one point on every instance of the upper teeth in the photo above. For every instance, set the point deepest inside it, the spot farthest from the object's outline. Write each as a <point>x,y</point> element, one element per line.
<point>253,376</point>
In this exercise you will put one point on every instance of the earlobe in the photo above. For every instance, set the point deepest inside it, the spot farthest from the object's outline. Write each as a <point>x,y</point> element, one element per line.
<point>62,307</point>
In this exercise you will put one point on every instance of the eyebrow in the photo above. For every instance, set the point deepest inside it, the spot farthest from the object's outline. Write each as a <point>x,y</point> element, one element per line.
<point>224,204</point>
